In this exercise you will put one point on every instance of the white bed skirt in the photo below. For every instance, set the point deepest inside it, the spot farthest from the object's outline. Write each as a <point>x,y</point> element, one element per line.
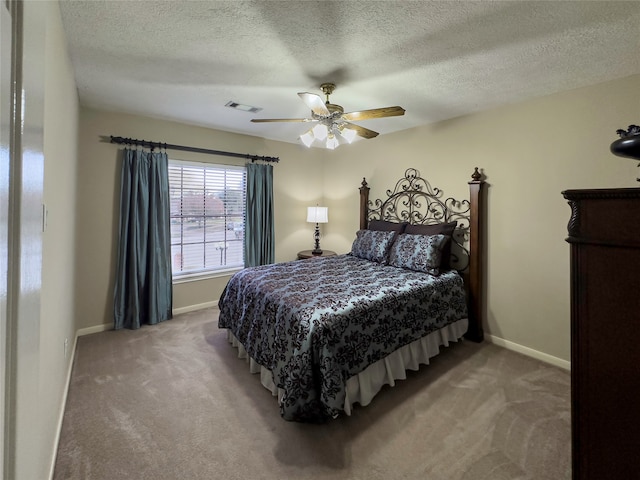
<point>361,388</point>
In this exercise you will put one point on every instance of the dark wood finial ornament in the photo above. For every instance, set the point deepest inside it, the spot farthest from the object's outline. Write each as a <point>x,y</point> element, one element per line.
<point>364,202</point>
<point>476,175</point>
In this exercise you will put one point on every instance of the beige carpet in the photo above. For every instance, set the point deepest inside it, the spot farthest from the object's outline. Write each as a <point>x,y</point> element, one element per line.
<point>173,401</point>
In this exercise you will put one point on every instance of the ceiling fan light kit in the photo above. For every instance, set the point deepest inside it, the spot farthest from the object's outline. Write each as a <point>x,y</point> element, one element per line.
<point>332,142</point>
<point>307,138</point>
<point>348,134</point>
<point>333,124</point>
<point>320,131</point>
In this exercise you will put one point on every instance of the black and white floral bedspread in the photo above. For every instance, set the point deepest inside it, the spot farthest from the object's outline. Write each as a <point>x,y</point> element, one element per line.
<point>315,323</point>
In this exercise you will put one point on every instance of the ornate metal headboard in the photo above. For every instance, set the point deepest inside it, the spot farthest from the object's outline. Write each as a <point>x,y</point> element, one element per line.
<point>414,200</point>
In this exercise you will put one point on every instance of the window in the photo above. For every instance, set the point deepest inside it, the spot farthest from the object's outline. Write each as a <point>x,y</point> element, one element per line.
<point>207,217</point>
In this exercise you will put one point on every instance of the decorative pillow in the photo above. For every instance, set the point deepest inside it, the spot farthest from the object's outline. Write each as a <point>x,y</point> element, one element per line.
<point>372,244</point>
<point>422,253</point>
<point>385,226</point>
<point>446,229</point>
<point>433,229</point>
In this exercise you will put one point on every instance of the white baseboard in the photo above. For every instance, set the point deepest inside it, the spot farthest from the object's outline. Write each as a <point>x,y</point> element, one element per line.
<point>176,311</point>
<point>529,352</point>
<point>193,308</point>
<point>63,405</point>
<point>67,384</point>
<point>95,329</point>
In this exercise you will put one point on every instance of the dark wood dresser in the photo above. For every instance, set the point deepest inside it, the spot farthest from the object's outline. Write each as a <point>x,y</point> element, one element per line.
<point>604,233</point>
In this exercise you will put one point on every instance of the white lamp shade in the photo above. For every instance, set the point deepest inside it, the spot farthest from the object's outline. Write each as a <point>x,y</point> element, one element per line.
<point>307,138</point>
<point>332,142</point>
<point>348,134</point>
<point>317,214</point>
<point>320,131</point>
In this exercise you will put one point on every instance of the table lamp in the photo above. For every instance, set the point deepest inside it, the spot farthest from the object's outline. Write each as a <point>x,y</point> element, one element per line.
<point>317,215</point>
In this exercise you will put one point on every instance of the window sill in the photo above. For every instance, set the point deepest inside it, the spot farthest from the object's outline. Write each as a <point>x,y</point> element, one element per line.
<point>195,277</point>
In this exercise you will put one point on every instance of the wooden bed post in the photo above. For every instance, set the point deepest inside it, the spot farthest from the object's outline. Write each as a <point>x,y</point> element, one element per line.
<point>364,205</point>
<point>477,225</point>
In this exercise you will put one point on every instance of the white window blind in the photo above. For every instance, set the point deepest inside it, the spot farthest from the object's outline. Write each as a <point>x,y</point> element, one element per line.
<point>207,217</point>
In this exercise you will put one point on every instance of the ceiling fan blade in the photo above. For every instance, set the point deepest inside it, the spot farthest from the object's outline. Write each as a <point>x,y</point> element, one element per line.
<point>374,113</point>
<point>361,131</point>
<point>315,103</point>
<point>262,120</point>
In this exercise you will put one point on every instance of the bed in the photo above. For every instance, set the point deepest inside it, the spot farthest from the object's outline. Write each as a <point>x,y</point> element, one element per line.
<point>329,332</point>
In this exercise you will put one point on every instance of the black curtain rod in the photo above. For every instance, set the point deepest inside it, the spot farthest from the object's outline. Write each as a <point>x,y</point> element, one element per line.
<point>152,145</point>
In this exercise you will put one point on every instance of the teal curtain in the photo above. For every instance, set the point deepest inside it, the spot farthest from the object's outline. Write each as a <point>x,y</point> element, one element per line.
<point>143,287</point>
<point>259,236</point>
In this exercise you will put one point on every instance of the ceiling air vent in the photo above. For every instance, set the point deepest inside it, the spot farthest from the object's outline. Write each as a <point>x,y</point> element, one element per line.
<point>244,108</point>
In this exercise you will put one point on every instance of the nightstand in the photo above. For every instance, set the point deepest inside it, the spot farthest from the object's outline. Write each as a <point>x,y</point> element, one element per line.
<point>307,254</point>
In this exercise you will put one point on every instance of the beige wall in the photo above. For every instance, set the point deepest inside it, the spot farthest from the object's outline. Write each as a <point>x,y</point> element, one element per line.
<point>43,284</point>
<point>57,324</point>
<point>529,152</point>
<point>297,184</point>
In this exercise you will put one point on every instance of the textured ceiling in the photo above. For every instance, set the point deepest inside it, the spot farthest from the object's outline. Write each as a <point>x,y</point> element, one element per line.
<point>184,60</point>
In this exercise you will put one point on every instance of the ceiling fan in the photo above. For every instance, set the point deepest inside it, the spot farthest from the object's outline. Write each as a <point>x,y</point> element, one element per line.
<point>332,123</point>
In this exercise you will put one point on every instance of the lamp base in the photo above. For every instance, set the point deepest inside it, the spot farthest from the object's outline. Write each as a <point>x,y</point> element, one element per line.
<point>316,236</point>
